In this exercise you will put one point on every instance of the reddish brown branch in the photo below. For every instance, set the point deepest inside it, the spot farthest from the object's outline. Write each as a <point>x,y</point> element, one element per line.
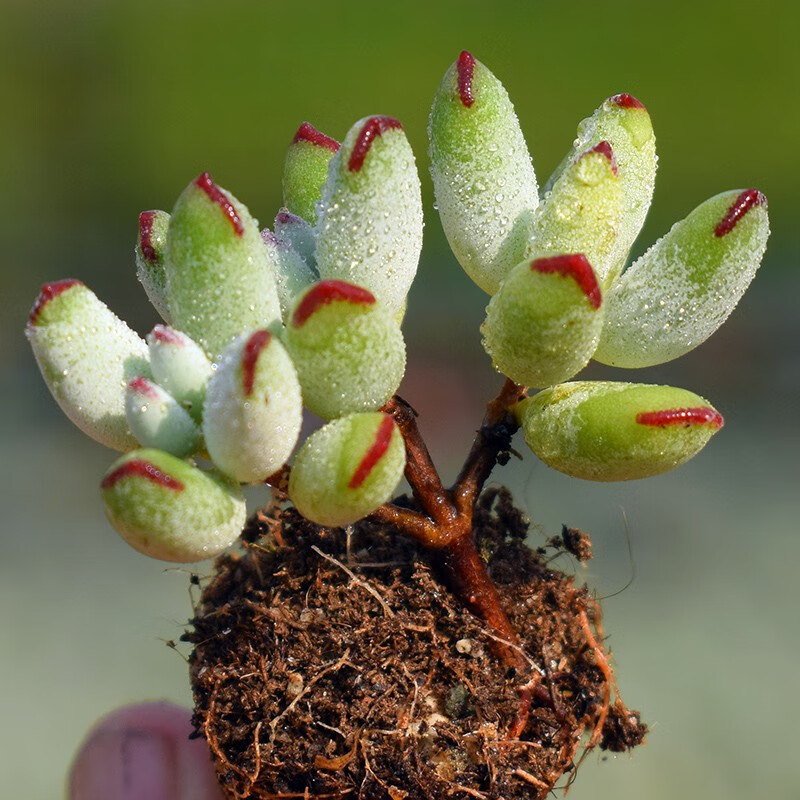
<point>492,439</point>
<point>421,474</point>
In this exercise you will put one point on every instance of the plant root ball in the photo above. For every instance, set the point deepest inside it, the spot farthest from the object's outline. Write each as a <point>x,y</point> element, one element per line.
<point>334,667</point>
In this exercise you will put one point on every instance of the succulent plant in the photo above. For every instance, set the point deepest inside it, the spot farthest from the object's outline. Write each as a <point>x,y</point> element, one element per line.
<point>263,323</point>
<point>258,325</point>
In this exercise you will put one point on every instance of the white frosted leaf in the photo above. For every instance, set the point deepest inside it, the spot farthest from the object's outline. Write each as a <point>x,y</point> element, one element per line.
<point>157,420</point>
<point>623,122</point>
<point>686,285</point>
<point>369,230</point>
<point>219,280</point>
<point>253,408</point>
<point>582,212</point>
<point>168,509</point>
<point>87,355</point>
<point>482,173</point>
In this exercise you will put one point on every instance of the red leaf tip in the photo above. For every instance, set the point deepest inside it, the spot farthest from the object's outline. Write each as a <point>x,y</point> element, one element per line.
<point>166,335</point>
<point>741,205</point>
<point>216,195</point>
<point>378,448</point>
<point>370,130</point>
<point>326,292</point>
<point>625,100</point>
<point>605,149</point>
<point>575,266</point>
<point>48,292</point>
<point>138,467</point>
<point>146,236</point>
<point>704,415</point>
<point>252,350</point>
<point>308,133</point>
<point>144,387</point>
<point>466,72</point>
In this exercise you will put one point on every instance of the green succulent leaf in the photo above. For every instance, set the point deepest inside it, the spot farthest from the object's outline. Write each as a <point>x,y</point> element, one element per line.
<point>482,173</point>
<point>253,409</point>
<point>219,279</point>
<point>306,169</point>
<point>624,123</point>
<point>605,431</point>
<point>181,367</point>
<point>347,469</point>
<point>347,347</point>
<point>543,324</point>
<point>582,213</point>
<point>158,421</point>
<point>687,284</point>
<point>86,355</point>
<point>150,245</point>
<point>369,230</point>
<point>168,509</point>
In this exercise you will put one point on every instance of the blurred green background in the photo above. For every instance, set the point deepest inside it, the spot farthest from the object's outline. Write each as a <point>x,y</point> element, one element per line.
<point>112,107</point>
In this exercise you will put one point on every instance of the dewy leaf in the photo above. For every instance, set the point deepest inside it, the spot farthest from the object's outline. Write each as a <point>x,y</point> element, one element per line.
<point>582,212</point>
<point>168,509</point>
<point>253,409</point>
<point>292,274</point>
<point>604,431</point>
<point>219,281</point>
<point>158,421</point>
<point>482,173</point>
<point>181,367</point>
<point>347,469</point>
<point>87,355</point>
<point>369,230</point>
<point>624,123</point>
<point>543,324</point>
<point>687,284</point>
<point>150,245</point>
<point>347,347</point>
<point>299,235</point>
<point>306,169</point>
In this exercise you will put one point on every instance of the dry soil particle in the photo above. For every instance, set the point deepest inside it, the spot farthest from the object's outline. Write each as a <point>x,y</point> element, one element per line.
<point>333,664</point>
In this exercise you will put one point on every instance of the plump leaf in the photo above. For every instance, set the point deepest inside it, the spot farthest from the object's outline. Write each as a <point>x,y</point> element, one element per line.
<point>687,284</point>
<point>306,169</point>
<point>169,509</point>
<point>369,230</point>
<point>219,280</point>
<point>624,123</point>
<point>87,355</point>
<point>292,274</point>
<point>543,324</point>
<point>181,367</point>
<point>482,173</point>
<point>253,409</point>
<point>348,349</point>
<point>158,421</point>
<point>582,213</point>
<point>604,431</point>
<point>347,469</point>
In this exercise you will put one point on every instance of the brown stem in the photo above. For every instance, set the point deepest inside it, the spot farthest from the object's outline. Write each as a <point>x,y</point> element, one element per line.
<point>420,471</point>
<point>492,439</point>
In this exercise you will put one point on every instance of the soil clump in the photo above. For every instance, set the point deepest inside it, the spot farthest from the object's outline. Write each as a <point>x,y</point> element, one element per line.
<point>332,663</point>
